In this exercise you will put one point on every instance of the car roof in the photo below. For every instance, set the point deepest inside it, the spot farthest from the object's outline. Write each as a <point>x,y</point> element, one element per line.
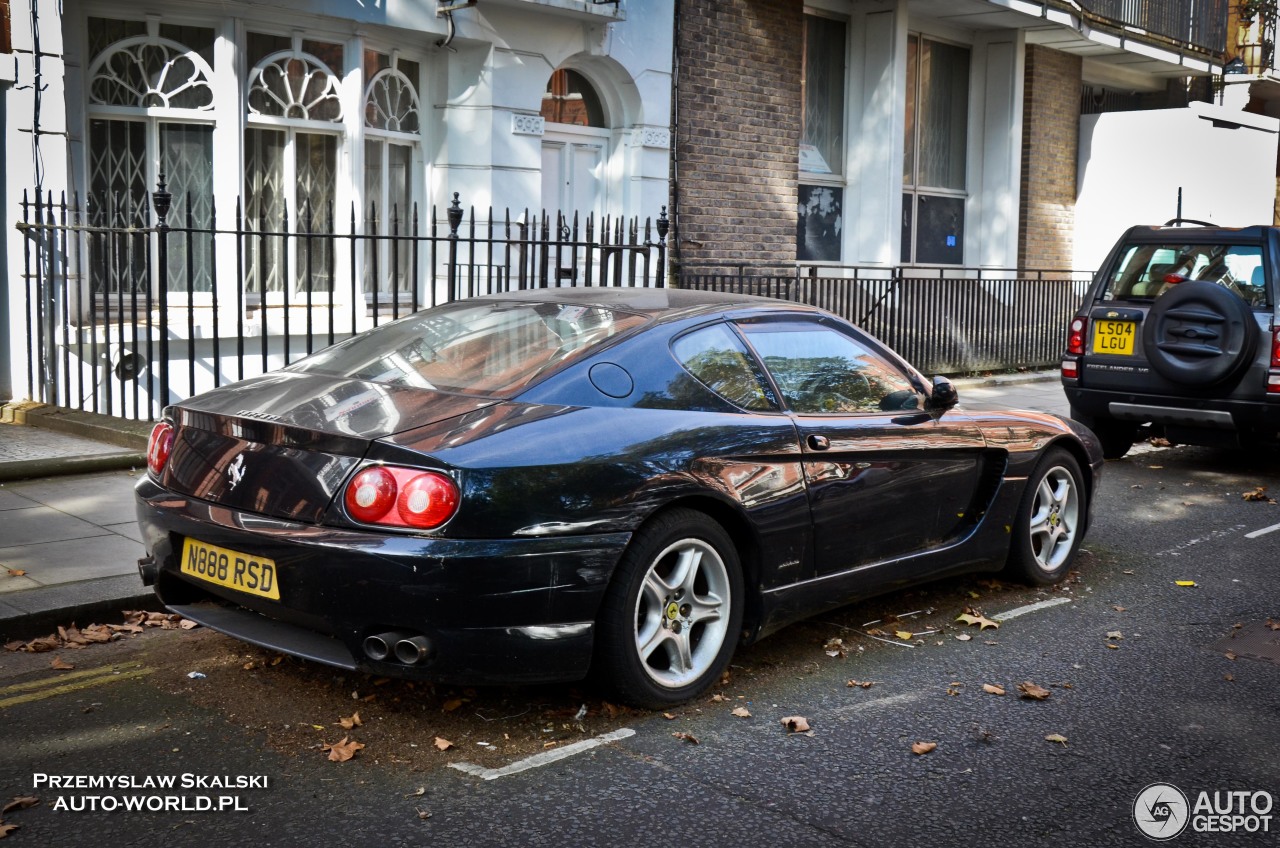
<point>659,303</point>
<point>1163,232</point>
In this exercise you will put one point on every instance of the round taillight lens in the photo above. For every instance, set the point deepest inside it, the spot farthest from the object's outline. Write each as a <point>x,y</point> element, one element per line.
<point>427,500</point>
<point>159,445</point>
<point>371,494</point>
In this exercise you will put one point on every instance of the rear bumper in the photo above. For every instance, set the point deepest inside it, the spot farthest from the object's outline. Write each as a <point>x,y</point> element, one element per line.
<point>1252,420</point>
<point>492,611</point>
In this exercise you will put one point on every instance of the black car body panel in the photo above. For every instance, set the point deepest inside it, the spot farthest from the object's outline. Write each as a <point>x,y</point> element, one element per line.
<point>555,481</point>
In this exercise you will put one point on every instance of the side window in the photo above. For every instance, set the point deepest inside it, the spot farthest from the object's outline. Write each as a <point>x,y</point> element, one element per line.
<point>716,357</point>
<point>821,370</point>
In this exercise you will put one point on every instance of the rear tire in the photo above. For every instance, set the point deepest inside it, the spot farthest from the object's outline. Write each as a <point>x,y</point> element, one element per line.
<point>1050,522</point>
<point>672,613</point>
<point>1116,436</point>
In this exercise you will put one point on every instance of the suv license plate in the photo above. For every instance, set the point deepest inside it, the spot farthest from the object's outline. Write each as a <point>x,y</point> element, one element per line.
<point>225,567</point>
<point>1115,337</point>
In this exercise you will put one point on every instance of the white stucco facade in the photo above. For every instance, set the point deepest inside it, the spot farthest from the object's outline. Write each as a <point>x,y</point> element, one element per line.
<point>474,84</point>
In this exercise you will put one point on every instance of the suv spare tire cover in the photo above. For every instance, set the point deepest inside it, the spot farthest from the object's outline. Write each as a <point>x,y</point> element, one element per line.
<point>1199,334</point>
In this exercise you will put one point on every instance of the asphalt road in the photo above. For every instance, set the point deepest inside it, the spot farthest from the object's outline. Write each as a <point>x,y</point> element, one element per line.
<point>1140,690</point>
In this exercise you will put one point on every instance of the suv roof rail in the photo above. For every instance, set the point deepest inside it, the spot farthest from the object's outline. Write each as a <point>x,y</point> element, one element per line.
<point>1175,222</point>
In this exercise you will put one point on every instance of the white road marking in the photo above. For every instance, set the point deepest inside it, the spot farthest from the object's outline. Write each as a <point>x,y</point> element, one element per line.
<point>879,703</point>
<point>545,758</point>
<point>1264,531</point>
<point>1014,613</point>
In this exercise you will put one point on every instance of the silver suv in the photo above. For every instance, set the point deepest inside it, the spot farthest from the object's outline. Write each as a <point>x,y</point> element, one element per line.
<point>1179,331</point>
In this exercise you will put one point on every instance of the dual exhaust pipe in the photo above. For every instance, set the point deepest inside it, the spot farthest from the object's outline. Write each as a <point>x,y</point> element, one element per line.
<point>398,646</point>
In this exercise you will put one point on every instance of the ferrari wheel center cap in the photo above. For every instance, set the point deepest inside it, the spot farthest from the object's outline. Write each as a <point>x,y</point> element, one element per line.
<point>673,611</point>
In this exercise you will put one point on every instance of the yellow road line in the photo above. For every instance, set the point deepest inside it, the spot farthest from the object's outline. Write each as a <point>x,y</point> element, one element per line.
<point>51,686</point>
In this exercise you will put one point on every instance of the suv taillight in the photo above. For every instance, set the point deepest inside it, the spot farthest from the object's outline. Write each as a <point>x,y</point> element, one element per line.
<point>158,447</point>
<point>401,497</point>
<point>1273,379</point>
<point>1075,338</point>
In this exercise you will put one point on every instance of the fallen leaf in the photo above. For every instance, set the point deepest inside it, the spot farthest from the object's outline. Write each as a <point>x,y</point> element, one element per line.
<point>992,689</point>
<point>1184,582</point>
<point>977,618</point>
<point>717,698</point>
<point>1113,646</point>
<point>742,712</point>
<point>1228,677</point>
<point>1118,608</point>
<point>60,665</point>
<point>904,635</point>
<point>1271,625</point>
<point>921,748</point>
<point>17,572</point>
<point>6,829</point>
<point>669,716</point>
<point>1032,691</point>
<point>686,737</point>
<point>1056,737</point>
<point>352,722</point>
<point>954,689</point>
<point>423,814</point>
<point>963,637</point>
<point>417,793</point>
<point>1114,634</point>
<point>451,704</point>
<point>443,744</point>
<point>188,624</point>
<point>796,724</point>
<point>22,803</point>
<point>1258,494</point>
<point>1229,655</point>
<point>861,684</point>
<point>340,752</point>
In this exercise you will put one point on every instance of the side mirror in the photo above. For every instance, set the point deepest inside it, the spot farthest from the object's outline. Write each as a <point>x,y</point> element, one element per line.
<point>944,395</point>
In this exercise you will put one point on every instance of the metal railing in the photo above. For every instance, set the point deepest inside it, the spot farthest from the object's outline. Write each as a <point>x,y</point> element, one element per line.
<point>1196,24</point>
<point>943,321</point>
<point>122,320</point>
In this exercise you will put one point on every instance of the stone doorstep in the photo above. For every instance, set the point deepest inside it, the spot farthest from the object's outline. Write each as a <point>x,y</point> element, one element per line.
<point>87,425</point>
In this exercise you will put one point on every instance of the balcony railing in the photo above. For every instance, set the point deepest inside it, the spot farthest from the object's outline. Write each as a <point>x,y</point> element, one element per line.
<point>1199,25</point>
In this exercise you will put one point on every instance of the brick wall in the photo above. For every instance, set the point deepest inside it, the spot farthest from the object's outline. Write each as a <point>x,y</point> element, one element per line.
<point>1050,145</point>
<point>738,133</point>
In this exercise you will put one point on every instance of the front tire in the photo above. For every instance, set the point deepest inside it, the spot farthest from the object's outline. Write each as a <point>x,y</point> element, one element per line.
<point>1050,522</point>
<point>671,616</point>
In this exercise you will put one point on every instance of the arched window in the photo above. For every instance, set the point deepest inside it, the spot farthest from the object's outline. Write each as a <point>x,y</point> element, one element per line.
<point>392,137</point>
<point>291,157</point>
<point>570,99</point>
<point>150,110</point>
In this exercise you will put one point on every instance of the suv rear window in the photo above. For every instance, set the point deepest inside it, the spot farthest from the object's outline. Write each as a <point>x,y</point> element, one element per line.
<point>1146,271</point>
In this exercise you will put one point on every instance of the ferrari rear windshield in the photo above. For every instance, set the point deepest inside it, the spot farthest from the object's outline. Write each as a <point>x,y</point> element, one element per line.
<point>490,348</point>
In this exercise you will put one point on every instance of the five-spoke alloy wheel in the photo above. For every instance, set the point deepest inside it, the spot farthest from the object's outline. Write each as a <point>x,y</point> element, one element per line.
<point>673,611</point>
<point>1051,520</point>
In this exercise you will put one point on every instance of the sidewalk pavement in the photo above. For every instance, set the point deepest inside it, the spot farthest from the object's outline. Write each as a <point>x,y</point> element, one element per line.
<point>69,544</point>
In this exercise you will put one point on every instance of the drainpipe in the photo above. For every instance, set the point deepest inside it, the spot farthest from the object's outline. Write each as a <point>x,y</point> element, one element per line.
<point>674,241</point>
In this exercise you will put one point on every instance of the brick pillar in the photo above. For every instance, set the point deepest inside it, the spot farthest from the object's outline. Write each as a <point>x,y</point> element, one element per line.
<point>738,130</point>
<point>1050,149</point>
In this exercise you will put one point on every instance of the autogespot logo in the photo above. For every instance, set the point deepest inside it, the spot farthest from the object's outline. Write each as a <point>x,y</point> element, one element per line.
<point>1160,811</point>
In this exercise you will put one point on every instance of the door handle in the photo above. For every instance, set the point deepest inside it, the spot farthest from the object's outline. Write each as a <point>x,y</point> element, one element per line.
<point>818,443</point>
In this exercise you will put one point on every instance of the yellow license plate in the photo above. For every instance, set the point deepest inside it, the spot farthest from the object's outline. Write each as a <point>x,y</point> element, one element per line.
<point>225,567</point>
<point>1114,337</point>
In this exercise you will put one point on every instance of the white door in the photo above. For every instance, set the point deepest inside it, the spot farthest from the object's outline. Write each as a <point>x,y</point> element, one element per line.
<point>573,176</point>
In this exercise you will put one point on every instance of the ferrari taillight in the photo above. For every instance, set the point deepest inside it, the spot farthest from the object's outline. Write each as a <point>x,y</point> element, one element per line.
<point>401,497</point>
<point>159,445</point>
<point>1075,337</point>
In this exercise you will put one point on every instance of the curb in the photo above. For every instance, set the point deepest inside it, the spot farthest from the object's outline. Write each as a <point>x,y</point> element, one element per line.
<point>121,432</point>
<point>28,469</point>
<point>64,604</point>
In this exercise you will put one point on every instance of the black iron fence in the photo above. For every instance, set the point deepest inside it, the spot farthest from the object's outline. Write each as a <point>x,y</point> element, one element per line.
<point>123,320</point>
<point>943,321</point>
